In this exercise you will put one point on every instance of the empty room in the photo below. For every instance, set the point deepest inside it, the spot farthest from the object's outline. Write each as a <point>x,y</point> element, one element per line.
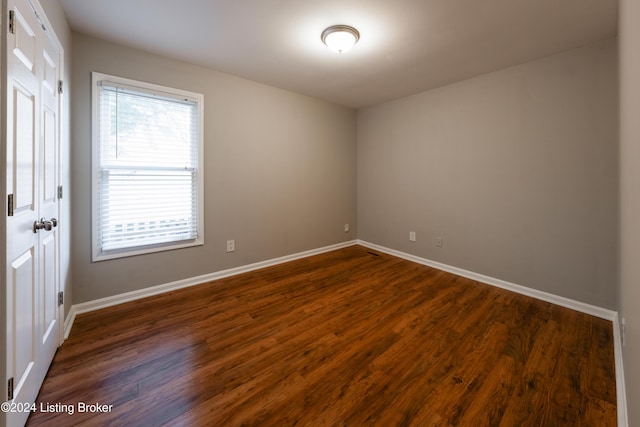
<point>353,213</point>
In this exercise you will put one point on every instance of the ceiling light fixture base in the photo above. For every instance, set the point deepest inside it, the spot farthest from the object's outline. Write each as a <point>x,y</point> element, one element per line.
<point>340,38</point>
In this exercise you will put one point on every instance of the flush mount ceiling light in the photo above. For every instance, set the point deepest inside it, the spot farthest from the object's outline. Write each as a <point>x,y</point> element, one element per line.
<point>340,38</point>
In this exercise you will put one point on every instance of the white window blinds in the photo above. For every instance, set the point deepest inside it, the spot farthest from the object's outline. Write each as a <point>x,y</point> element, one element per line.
<point>147,167</point>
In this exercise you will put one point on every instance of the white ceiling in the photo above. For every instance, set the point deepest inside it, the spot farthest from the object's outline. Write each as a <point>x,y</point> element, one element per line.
<point>406,46</point>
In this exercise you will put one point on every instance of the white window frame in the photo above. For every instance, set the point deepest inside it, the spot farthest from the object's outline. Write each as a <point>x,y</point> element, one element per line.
<point>98,254</point>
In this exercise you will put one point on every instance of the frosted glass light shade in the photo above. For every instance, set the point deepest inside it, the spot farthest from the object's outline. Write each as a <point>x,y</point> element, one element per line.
<point>340,38</point>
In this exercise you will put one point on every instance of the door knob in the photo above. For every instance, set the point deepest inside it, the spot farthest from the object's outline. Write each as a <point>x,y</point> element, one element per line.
<point>44,224</point>
<point>38,225</point>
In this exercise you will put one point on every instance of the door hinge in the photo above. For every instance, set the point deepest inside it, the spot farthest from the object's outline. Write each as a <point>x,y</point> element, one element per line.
<point>60,192</point>
<point>10,205</point>
<point>60,85</point>
<point>10,389</point>
<point>12,22</point>
<point>60,298</point>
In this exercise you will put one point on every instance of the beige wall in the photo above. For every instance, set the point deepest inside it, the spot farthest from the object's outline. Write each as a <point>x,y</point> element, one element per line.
<point>516,170</point>
<point>280,172</point>
<point>630,199</point>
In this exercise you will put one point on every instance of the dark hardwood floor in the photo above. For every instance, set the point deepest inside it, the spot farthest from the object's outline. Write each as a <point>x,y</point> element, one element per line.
<point>346,338</point>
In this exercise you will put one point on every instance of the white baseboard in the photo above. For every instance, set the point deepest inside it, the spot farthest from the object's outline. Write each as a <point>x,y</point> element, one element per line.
<point>68,322</point>
<point>86,307</point>
<point>523,290</point>
<point>621,392</point>
<point>600,312</point>
<point>582,307</point>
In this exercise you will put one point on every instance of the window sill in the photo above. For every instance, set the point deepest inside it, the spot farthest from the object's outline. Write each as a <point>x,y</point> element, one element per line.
<point>129,252</point>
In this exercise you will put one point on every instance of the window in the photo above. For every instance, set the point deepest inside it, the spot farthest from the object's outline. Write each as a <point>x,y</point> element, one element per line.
<point>147,168</point>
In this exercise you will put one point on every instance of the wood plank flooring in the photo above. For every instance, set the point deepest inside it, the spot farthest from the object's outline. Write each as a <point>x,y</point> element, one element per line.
<point>346,338</point>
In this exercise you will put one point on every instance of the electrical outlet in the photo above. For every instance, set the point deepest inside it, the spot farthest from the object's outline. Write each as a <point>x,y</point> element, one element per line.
<point>412,236</point>
<point>346,228</point>
<point>438,242</point>
<point>231,245</point>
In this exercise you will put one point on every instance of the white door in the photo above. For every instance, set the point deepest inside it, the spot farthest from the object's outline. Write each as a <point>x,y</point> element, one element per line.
<point>32,174</point>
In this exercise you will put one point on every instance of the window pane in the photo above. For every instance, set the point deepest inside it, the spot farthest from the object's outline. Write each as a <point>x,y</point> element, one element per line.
<point>147,207</point>
<point>147,170</point>
<point>141,130</point>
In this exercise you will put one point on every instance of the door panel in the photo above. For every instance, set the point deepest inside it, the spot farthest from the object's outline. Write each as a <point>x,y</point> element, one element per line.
<point>49,312</point>
<point>23,156</point>
<point>49,159</point>
<point>24,149</point>
<point>48,201</point>
<point>33,324</point>
<point>23,292</point>
<point>24,43</point>
<point>50,72</point>
<point>22,298</point>
<point>23,253</point>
